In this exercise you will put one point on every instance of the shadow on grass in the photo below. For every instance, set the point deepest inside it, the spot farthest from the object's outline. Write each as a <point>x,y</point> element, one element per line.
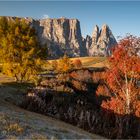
<point>19,87</point>
<point>14,92</point>
<point>17,84</point>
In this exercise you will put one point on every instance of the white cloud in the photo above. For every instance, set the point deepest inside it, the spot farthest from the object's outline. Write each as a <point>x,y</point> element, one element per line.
<point>45,16</point>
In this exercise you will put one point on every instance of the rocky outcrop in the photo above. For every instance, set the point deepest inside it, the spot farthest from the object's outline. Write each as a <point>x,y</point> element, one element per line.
<point>102,41</point>
<point>95,35</point>
<point>87,44</point>
<point>61,36</point>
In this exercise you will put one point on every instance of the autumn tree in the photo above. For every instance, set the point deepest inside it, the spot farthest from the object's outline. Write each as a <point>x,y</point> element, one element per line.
<point>124,72</point>
<point>19,49</point>
<point>54,65</point>
<point>62,67</point>
<point>77,63</point>
<point>122,78</point>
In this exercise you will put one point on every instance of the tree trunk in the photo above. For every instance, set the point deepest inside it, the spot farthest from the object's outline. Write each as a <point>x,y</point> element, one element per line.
<point>16,78</point>
<point>127,125</point>
<point>138,132</point>
<point>119,123</point>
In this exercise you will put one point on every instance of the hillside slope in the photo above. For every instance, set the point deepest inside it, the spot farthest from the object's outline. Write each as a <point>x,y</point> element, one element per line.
<point>36,126</point>
<point>17,123</point>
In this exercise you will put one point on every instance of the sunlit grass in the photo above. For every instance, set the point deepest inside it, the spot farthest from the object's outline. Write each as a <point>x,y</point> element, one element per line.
<point>88,61</point>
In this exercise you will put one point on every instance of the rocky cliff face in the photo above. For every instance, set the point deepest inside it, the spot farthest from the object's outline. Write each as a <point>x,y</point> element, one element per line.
<point>87,44</point>
<point>102,41</point>
<point>61,36</point>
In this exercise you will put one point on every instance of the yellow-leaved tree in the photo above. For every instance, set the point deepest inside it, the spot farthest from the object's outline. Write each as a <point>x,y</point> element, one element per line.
<point>64,64</point>
<point>20,52</point>
<point>62,67</point>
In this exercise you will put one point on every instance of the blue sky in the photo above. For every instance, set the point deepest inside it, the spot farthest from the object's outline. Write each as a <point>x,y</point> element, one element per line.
<point>122,17</point>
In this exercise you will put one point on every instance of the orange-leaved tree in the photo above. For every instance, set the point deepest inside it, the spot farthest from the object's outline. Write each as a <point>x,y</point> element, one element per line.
<point>124,73</point>
<point>122,79</point>
<point>77,63</point>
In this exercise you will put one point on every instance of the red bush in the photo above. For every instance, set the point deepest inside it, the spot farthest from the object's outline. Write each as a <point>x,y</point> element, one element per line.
<point>77,63</point>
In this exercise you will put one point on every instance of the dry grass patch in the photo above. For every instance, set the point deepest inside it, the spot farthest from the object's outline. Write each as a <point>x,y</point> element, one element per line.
<point>88,61</point>
<point>17,123</point>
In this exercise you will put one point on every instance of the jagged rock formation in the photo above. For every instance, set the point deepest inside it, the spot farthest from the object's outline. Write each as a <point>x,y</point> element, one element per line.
<point>63,35</point>
<point>102,41</point>
<point>86,42</point>
<point>95,35</point>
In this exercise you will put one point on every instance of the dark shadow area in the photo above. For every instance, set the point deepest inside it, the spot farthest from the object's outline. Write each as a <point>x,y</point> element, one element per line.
<point>84,113</point>
<point>82,108</point>
<point>14,92</point>
<point>18,84</point>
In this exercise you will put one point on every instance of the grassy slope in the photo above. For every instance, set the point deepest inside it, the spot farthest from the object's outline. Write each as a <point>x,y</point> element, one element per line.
<point>10,90</point>
<point>19,123</point>
<point>36,125</point>
<point>91,61</point>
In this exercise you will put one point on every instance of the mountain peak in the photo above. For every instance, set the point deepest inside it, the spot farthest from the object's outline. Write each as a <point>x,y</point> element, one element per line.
<point>105,26</point>
<point>96,28</point>
<point>102,41</point>
<point>95,34</point>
